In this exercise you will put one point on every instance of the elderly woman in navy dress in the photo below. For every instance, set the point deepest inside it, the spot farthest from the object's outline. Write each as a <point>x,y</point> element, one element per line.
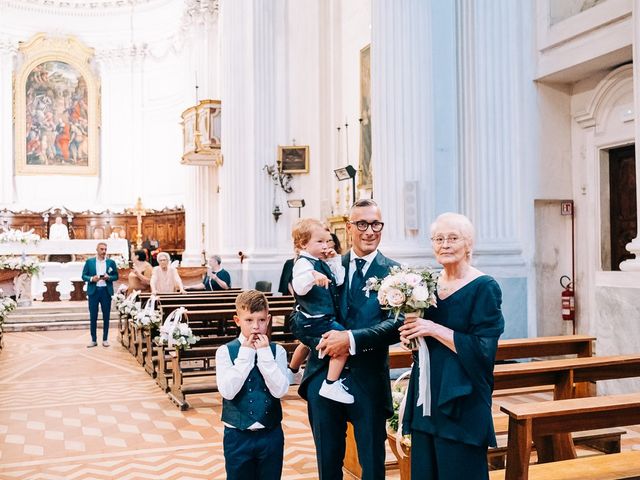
<point>452,429</point>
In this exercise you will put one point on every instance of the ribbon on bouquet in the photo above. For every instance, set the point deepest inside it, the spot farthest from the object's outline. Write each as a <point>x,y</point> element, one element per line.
<point>170,324</point>
<point>148,309</point>
<point>424,380</point>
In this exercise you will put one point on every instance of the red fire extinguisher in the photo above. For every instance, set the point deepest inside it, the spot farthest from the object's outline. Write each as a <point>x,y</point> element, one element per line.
<point>568,298</point>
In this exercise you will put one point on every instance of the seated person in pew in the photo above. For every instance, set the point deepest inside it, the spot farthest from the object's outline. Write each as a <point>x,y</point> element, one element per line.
<point>448,402</point>
<point>165,278</point>
<point>216,279</point>
<point>317,273</point>
<point>140,275</point>
<point>251,377</point>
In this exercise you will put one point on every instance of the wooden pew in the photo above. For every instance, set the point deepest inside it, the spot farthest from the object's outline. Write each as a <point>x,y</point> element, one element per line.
<point>543,422</point>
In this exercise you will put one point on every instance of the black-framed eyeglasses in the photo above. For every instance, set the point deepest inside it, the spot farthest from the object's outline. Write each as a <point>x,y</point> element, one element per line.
<point>362,225</point>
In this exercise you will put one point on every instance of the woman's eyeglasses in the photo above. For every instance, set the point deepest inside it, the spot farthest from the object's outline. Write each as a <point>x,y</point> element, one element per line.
<point>362,226</point>
<point>450,239</point>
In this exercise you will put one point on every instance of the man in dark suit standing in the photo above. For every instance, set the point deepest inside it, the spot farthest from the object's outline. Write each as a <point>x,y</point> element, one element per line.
<point>99,272</point>
<point>370,331</point>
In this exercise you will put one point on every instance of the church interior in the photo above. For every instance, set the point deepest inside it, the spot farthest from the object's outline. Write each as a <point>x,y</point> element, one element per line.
<point>203,130</point>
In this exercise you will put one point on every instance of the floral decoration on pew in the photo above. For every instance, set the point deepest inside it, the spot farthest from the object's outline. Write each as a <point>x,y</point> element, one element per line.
<point>405,290</point>
<point>130,306</point>
<point>394,424</point>
<point>7,306</point>
<point>174,333</point>
<point>18,236</point>
<point>29,265</point>
<point>149,318</point>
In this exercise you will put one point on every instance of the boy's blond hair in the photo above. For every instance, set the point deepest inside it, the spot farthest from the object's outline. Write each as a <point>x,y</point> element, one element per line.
<point>253,301</point>
<point>301,232</point>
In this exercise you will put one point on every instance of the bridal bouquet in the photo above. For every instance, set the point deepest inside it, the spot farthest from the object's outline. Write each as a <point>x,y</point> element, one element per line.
<point>405,290</point>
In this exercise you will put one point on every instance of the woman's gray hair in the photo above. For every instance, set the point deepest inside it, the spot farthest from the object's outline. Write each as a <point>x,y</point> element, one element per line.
<point>163,255</point>
<point>459,222</point>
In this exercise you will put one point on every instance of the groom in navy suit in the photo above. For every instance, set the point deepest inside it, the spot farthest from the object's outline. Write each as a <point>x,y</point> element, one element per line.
<point>369,332</point>
<point>99,272</point>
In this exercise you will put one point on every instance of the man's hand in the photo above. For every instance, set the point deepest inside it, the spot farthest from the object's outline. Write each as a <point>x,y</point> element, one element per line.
<point>95,278</point>
<point>335,343</point>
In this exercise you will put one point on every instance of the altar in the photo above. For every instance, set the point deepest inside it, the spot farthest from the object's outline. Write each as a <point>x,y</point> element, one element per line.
<point>116,246</point>
<point>66,272</point>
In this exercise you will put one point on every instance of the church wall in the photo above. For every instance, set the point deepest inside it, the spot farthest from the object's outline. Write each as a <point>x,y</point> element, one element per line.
<point>142,98</point>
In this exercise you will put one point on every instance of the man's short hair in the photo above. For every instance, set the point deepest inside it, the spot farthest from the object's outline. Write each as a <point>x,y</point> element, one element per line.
<point>217,258</point>
<point>364,202</point>
<point>252,300</point>
<point>101,243</point>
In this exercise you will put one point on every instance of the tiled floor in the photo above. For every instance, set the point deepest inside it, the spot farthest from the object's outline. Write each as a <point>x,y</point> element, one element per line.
<point>68,412</point>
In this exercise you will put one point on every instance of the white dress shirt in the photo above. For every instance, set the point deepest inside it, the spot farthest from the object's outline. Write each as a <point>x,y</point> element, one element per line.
<point>231,376</point>
<point>303,279</point>
<point>101,269</point>
<point>352,269</point>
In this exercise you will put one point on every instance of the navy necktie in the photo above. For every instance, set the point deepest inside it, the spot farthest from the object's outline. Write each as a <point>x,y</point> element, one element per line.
<point>357,281</point>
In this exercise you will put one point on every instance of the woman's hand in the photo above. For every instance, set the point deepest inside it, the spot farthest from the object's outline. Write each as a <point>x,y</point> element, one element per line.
<point>415,327</point>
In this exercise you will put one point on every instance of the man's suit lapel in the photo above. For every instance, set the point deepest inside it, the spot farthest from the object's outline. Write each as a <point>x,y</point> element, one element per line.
<point>378,267</point>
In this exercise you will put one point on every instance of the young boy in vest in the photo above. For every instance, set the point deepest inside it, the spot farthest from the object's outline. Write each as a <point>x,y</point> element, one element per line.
<point>317,272</point>
<point>251,375</point>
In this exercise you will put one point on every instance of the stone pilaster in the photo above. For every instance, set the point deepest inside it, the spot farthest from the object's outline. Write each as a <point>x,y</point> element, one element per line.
<point>401,105</point>
<point>492,144</point>
<point>633,265</point>
<point>8,52</point>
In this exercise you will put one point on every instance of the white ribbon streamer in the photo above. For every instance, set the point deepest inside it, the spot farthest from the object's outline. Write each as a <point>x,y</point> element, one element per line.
<point>170,324</point>
<point>424,380</point>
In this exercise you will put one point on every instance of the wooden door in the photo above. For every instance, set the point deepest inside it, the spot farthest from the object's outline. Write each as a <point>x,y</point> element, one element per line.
<point>622,189</point>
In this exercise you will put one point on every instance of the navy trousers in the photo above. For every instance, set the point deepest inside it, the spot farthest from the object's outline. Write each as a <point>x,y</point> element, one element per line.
<point>328,421</point>
<point>102,298</point>
<point>253,455</point>
<point>434,458</point>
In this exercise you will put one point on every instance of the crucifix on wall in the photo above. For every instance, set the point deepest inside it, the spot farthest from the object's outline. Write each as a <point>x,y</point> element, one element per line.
<point>139,212</point>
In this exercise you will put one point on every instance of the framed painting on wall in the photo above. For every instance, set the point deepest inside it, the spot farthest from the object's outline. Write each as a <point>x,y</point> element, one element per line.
<point>293,159</point>
<point>56,108</point>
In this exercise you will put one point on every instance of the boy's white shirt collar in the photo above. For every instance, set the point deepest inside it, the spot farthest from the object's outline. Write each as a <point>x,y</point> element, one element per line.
<point>304,253</point>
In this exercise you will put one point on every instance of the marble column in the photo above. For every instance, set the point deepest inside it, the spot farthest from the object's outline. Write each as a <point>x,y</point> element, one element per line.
<point>401,105</point>
<point>8,52</point>
<point>201,205</point>
<point>633,265</point>
<point>492,144</point>
<point>254,94</point>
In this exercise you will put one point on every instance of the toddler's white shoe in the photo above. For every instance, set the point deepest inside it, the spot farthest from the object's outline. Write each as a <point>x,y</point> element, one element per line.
<point>336,391</point>
<point>295,377</point>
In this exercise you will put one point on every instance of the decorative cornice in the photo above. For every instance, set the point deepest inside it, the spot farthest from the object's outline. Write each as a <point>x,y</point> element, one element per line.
<point>76,5</point>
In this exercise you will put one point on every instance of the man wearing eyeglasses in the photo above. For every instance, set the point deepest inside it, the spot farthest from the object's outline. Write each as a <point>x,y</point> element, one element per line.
<point>370,331</point>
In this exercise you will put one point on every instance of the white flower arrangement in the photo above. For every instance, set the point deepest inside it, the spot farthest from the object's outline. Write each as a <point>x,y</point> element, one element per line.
<point>149,319</point>
<point>23,263</point>
<point>120,296</point>
<point>130,306</point>
<point>174,333</point>
<point>405,290</point>
<point>7,306</point>
<point>121,263</point>
<point>18,236</point>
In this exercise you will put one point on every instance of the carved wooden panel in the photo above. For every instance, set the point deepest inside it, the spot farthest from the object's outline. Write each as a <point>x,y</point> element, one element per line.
<point>166,226</point>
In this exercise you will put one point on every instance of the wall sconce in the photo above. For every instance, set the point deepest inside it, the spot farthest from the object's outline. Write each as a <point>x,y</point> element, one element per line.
<point>296,204</point>
<point>346,173</point>
<point>276,213</point>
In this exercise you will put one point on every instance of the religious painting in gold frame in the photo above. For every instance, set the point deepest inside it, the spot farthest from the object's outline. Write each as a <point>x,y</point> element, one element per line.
<point>365,175</point>
<point>56,108</point>
<point>293,158</point>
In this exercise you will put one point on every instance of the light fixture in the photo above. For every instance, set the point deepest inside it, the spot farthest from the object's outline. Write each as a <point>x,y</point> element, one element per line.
<point>346,173</point>
<point>296,204</point>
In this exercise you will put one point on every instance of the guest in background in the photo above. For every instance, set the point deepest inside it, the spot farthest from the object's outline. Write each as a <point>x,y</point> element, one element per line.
<point>335,243</point>
<point>58,231</point>
<point>284,286</point>
<point>99,272</point>
<point>461,334</point>
<point>217,278</point>
<point>165,278</point>
<point>140,275</point>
